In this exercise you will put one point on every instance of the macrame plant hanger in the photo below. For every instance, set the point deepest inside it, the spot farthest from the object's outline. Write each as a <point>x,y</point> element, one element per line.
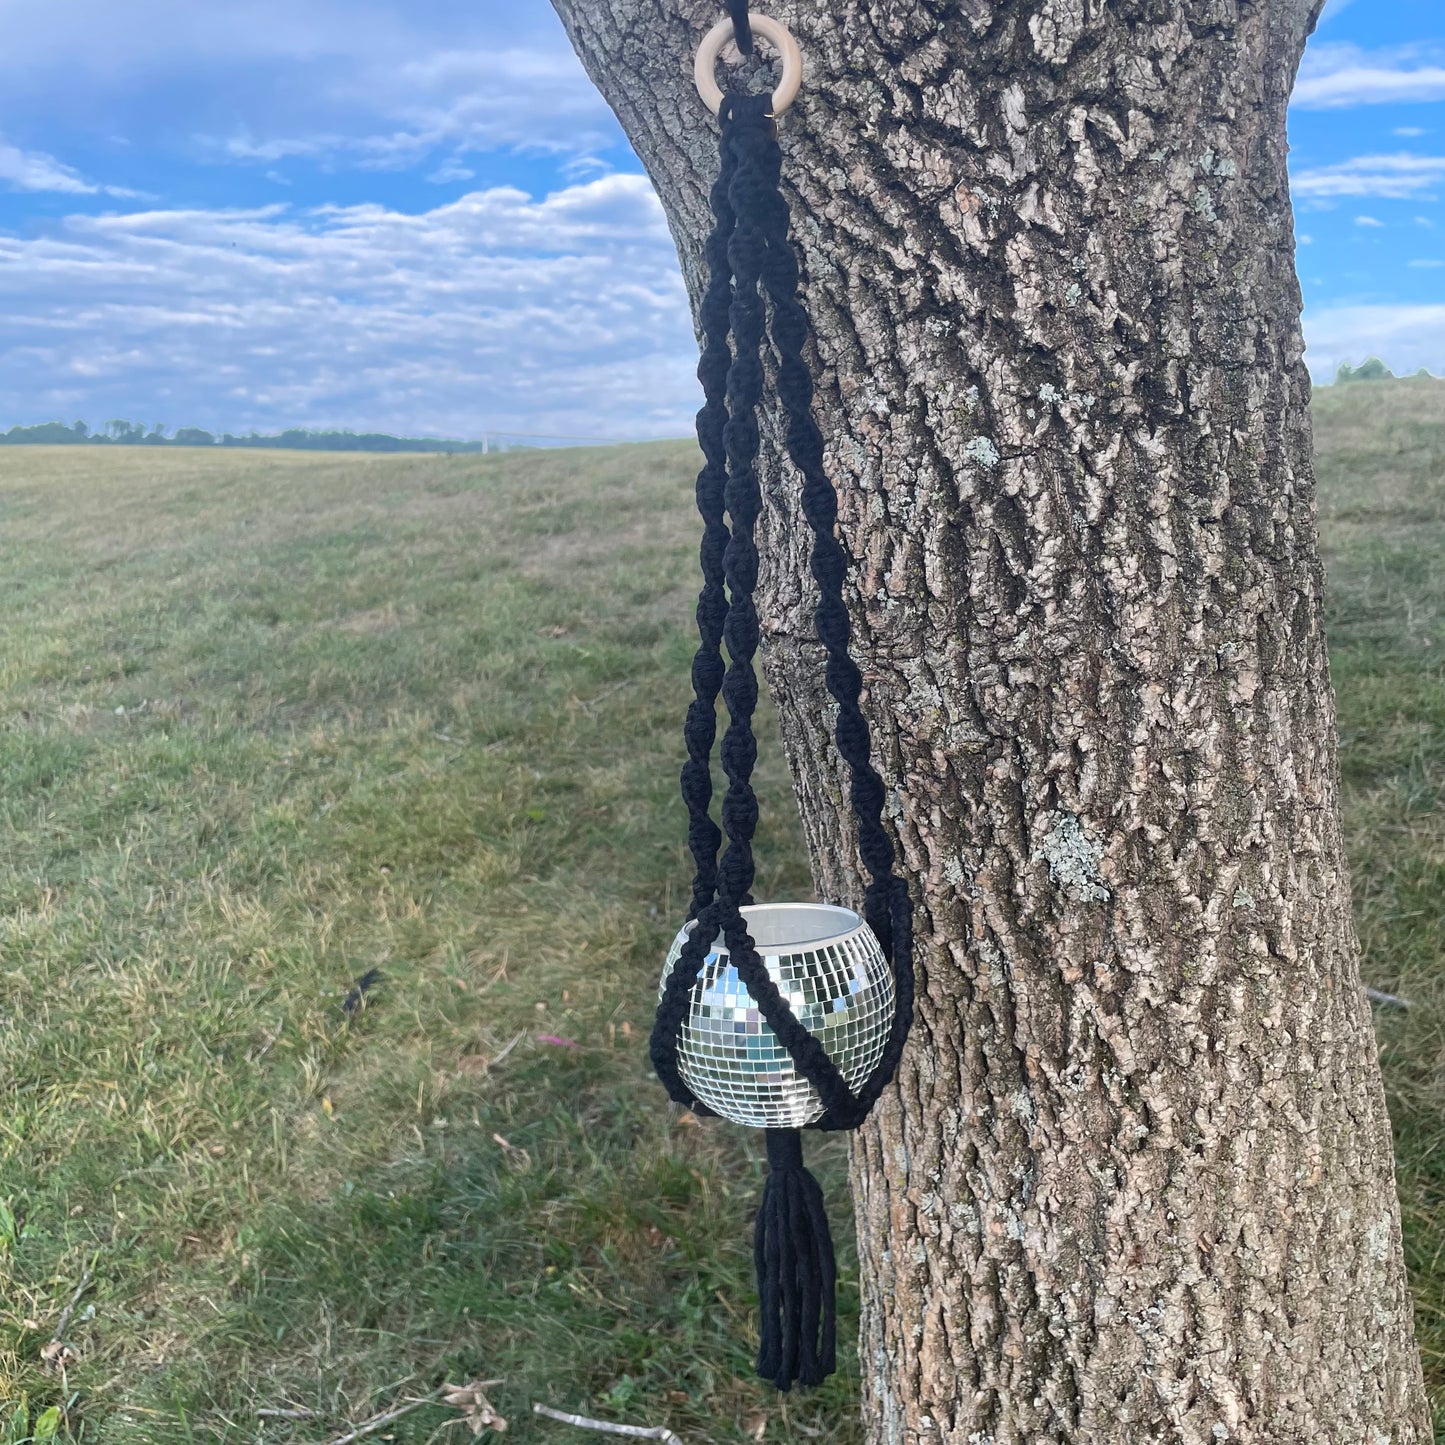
<point>795,985</point>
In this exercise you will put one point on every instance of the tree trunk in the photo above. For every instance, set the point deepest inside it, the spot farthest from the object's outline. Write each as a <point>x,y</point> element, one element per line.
<point>1135,1183</point>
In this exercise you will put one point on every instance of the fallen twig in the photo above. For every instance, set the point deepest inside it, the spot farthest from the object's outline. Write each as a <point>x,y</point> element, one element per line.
<point>492,1063</point>
<point>637,1432</point>
<point>274,1414</point>
<point>85,1282</point>
<point>589,703</point>
<point>371,1426</point>
<point>514,1152</point>
<point>1387,1000</point>
<point>266,1047</point>
<point>478,1412</point>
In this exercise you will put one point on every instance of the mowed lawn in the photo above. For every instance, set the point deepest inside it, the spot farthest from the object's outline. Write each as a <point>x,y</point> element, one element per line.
<point>271,721</point>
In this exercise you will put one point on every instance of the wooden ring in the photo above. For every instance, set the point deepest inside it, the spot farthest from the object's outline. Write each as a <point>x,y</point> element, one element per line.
<point>771,30</point>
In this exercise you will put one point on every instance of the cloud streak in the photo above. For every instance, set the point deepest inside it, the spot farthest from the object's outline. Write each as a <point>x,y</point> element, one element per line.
<point>523,99</point>
<point>564,315</point>
<point>34,171</point>
<point>1390,177</point>
<point>1337,76</point>
<point>364,84</point>
<point>1405,337</point>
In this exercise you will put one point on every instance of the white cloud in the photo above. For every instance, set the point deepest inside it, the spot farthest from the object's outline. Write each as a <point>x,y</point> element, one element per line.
<point>1369,221</point>
<point>448,171</point>
<point>1410,132</point>
<point>127,46</point>
<point>530,96</point>
<point>497,311</point>
<point>1305,240</point>
<point>1404,337</point>
<point>1334,8</point>
<point>33,171</point>
<point>1391,177</point>
<point>1427,264</point>
<point>1336,75</point>
<point>393,116</point>
<point>367,83</point>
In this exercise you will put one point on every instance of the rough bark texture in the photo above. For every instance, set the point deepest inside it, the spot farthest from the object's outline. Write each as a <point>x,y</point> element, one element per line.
<point>1135,1183</point>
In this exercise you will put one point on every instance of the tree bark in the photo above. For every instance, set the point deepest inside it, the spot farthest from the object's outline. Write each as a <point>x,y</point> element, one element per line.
<point>1135,1183</point>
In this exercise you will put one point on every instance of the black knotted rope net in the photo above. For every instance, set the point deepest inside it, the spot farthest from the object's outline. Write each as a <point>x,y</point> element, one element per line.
<point>752,295</point>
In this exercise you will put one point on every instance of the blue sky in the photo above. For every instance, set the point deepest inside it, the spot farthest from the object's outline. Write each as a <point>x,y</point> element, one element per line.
<point>422,218</point>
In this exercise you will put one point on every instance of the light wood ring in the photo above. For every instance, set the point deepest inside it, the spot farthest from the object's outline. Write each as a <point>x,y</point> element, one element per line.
<point>771,30</point>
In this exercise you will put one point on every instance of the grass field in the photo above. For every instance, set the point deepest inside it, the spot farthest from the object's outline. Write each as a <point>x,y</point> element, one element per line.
<point>271,721</point>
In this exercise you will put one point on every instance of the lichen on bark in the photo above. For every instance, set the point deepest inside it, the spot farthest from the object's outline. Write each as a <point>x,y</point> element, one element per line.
<point>1134,1183</point>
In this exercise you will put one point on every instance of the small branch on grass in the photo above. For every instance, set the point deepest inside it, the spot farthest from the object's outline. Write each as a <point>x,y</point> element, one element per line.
<point>514,1152</point>
<point>57,1355</point>
<point>637,1432</point>
<point>467,1398</point>
<point>267,1046</point>
<point>371,1426</point>
<point>86,1280</point>
<point>492,1063</point>
<point>589,703</point>
<point>270,1414</point>
<point>1386,1000</point>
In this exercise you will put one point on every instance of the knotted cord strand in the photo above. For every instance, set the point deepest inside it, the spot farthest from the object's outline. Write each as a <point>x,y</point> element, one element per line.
<point>700,730</point>
<point>746,119</point>
<point>742,30</point>
<point>739,750</point>
<point>887,906</point>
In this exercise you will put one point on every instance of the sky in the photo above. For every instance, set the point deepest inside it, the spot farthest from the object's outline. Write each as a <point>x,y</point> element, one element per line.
<point>421,218</point>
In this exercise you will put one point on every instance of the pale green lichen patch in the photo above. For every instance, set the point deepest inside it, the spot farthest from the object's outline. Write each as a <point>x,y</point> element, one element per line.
<point>1073,858</point>
<point>981,451</point>
<point>1214,165</point>
<point>1243,898</point>
<point>1377,1236</point>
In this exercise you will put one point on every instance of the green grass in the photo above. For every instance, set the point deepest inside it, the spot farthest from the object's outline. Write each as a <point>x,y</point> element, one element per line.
<point>1380,454</point>
<point>268,721</point>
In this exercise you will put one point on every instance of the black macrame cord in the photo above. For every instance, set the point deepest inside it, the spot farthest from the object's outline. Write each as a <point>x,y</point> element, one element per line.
<point>742,30</point>
<point>751,263</point>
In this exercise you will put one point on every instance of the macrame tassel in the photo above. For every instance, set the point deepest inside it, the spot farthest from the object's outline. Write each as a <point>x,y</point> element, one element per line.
<point>797,1275</point>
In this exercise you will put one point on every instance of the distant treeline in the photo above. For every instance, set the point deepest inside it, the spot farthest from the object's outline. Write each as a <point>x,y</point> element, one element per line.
<point>1375,370</point>
<point>131,434</point>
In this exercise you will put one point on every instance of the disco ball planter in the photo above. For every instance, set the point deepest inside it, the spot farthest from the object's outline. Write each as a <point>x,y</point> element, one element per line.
<point>827,964</point>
